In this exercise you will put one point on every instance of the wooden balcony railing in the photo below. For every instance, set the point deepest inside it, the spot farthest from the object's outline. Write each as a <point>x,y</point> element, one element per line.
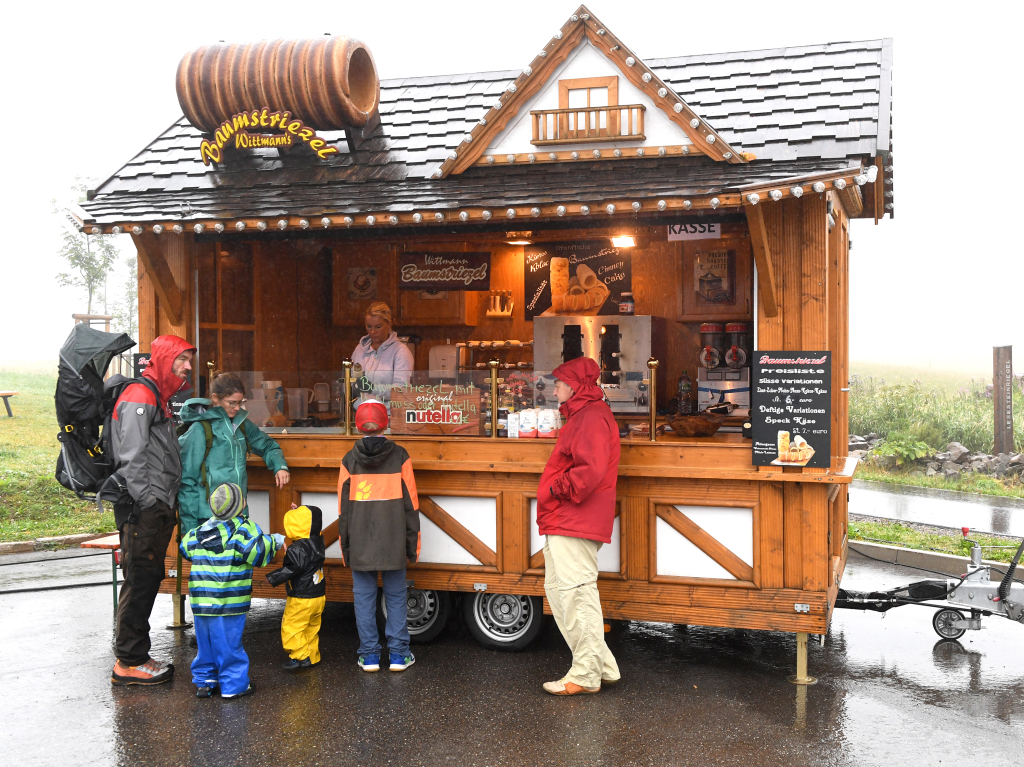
<point>584,124</point>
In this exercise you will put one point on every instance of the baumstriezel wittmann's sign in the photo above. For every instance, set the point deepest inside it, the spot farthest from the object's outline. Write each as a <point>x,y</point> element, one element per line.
<point>259,129</point>
<point>444,271</point>
<point>791,408</point>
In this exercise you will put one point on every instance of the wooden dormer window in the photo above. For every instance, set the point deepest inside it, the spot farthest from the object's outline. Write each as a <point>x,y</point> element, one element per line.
<point>588,111</point>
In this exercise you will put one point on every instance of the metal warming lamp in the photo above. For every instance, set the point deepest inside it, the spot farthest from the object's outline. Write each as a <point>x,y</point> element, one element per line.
<point>652,366</point>
<point>494,381</point>
<point>347,365</point>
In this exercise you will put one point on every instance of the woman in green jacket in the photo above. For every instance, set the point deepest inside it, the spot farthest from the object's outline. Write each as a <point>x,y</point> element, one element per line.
<point>220,426</point>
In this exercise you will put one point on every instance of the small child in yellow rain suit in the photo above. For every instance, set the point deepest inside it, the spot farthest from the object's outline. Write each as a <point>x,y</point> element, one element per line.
<point>303,570</point>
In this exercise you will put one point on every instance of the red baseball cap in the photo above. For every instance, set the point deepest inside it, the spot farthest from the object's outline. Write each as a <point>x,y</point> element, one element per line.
<point>371,416</point>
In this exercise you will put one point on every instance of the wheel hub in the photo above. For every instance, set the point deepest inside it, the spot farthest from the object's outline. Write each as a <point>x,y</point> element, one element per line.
<point>504,616</point>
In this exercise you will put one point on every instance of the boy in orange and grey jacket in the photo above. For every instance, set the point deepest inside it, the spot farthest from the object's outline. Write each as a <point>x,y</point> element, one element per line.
<point>379,528</point>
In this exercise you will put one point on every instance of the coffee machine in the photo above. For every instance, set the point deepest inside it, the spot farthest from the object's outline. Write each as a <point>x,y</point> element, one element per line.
<point>621,346</point>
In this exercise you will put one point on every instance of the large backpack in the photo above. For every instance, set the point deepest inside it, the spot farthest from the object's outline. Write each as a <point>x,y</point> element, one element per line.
<point>85,404</point>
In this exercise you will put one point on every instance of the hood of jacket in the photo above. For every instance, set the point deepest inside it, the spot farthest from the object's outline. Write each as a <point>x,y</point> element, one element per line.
<point>163,351</point>
<point>373,451</point>
<point>365,342</point>
<point>581,375</point>
<point>303,522</point>
<point>213,535</point>
<point>202,409</point>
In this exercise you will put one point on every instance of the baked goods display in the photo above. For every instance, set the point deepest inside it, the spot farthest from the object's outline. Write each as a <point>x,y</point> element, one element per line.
<point>582,294</point>
<point>797,452</point>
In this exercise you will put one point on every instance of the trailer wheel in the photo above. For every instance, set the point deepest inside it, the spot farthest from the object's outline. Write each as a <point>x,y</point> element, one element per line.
<point>943,621</point>
<point>428,613</point>
<point>508,622</point>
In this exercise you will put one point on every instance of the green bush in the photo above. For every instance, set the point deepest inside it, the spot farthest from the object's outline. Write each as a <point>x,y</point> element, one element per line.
<point>934,417</point>
<point>906,449</point>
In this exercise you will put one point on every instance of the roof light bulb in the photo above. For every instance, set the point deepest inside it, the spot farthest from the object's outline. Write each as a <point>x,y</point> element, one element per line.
<point>796,191</point>
<point>512,88</point>
<point>392,220</point>
<point>239,226</point>
<point>490,160</point>
<point>467,138</point>
<point>486,215</point>
<point>839,183</point>
<point>694,123</point>
<point>118,230</point>
<point>261,225</point>
<point>662,151</point>
<point>371,220</point>
<point>97,230</point>
<point>558,35</point>
<point>542,54</point>
<point>303,223</point>
<point>417,218</point>
<point>463,216</point>
<point>860,179</point>
<point>630,61</point>
<point>157,229</point>
<point>646,77</point>
<point>600,32</point>
<point>531,157</point>
<point>662,205</point>
<point>715,202</point>
<point>282,224</point>
<point>775,194</point>
<point>528,71</point>
<point>483,121</point>
<point>727,155</point>
<point>453,155</point>
<point>597,153</point>
<point>218,227</point>
<point>574,17</point>
<point>687,204</point>
<point>439,216</point>
<point>611,209</point>
<point>753,198</point>
<point>511,158</point>
<point>585,16</point>
<point>663,92</point>
<point>575,155</point>
<point>511,212</point>
<point>585,210</point>
<point>560,210</point>
<point>635,206</point>
<point>617,153</point>
<point>685,149</point>
<point>198,229</point>
<point>710,138</point>
<point>325,222</point>
<point>348,221</point>
<point>552,156</point>
<point>639,151</point>
<point>872,173</point>
<point>438,173</point>
<point>178,228</point>
<point>818,187</point>
<point>678,107</point>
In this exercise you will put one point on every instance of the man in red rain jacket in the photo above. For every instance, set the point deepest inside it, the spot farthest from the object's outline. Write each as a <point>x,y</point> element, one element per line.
<point>146,452</point>
<point>576,511</point>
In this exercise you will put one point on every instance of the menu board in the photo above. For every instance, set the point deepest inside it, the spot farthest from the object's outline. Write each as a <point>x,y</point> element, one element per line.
<point>575,278</point>
<point>791,408</point>
<point>435,409</point>
<point>444,271</point>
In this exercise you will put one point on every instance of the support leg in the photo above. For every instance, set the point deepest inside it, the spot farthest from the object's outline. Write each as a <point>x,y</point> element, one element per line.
<point>178,603</point>
<point>801,661</point>
<point>113,575</point>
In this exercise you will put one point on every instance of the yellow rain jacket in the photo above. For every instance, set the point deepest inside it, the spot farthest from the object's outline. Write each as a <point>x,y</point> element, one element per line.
<point>303,572</point>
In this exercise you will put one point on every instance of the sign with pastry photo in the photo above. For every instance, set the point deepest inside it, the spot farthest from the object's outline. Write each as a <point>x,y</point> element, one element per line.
<point>791,409</point>
<point>583,278</point>
<point>362,283</point>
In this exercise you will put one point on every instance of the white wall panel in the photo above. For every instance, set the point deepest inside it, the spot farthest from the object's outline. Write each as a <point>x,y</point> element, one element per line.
<point>608,558</point>
<point>536,539</point>
<point>478,515</point>
<point>678,556</point>
<point>259,508</point>
<point>731,527</point>
<point>439,547</point>
<point>328,505</point>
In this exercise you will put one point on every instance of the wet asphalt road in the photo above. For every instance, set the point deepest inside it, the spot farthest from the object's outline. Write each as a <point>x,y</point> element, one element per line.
<point>888,693</point>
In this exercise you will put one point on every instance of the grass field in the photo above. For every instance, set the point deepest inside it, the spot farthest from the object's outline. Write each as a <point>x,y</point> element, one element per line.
<point>898,534</point>
<point>32,504</point>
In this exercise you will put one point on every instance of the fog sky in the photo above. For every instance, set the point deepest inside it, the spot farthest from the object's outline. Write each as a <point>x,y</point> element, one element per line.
<point>87,89</point>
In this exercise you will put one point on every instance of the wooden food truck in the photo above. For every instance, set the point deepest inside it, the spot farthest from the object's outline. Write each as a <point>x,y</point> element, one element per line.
<point>684,221</point>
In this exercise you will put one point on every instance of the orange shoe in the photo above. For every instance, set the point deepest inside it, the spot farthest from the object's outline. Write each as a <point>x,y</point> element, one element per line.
<point>149,673</point>
<point>562,687</point>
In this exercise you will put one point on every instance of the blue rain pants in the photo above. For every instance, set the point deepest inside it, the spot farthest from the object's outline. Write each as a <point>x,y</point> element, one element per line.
<point>220,661</point>
<point>396,628</point>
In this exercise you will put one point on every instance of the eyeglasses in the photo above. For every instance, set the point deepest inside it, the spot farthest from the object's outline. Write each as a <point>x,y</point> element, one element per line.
<point>233,403</point>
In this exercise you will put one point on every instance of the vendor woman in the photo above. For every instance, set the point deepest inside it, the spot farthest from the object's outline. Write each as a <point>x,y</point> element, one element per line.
<point>384,360</point>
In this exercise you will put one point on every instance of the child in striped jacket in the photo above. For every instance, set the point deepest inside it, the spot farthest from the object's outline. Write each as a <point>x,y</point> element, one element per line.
<point>223,553</point>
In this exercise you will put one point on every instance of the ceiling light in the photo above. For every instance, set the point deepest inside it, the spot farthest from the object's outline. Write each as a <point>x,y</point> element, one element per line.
<point>624,241</point>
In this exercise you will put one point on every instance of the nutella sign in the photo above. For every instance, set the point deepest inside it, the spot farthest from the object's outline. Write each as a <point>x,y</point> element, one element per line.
<point>445,415</point>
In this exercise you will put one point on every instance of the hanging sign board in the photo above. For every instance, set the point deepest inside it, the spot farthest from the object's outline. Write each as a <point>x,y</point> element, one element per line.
<point>444,271</point>
<point>694,231</point>
<point>575,278</point>
<point>262,128</point>
<point>791,409</point>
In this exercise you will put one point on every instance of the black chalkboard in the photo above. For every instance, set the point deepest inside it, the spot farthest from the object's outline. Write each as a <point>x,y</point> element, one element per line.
<point>590,278</point>
<point>791,404</point>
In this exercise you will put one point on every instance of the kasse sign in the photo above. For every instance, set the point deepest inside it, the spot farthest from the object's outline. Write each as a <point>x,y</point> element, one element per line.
<point>694,231</point>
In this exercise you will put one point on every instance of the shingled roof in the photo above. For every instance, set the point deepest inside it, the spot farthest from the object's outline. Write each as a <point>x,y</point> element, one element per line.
<point>800,110</point>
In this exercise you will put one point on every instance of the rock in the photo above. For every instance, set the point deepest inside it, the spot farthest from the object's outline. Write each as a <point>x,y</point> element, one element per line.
<point>886,462</point>
<point>949,466</point>
<point>930,471</point>
<point>1015,470</point>
<point>957,451</point>
<point>951,473</point>
<point>934,465</point>
<point>980,465</point>
<point>917,473</point>
<point>1017,460</point>
<point>1003,458</point>
<point>942,457</point>
<point>857,454</point>
<point>999,471</point>
<point>858,445</point>
<point>870,436</point>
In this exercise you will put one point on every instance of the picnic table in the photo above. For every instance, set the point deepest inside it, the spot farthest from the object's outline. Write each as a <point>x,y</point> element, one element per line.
<point>5,396</point>
<point>112,542</point>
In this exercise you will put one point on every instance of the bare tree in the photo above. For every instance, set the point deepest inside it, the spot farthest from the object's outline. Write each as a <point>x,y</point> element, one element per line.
<point>126,306</point>
<point>90,257</point>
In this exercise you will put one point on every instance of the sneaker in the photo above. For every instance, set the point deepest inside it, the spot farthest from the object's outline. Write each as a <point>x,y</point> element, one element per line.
<point>291,664</point>
<point>568,688</point>
<point>206,691</point>
<point>370,662</point>
<point>248,691</point>
<point>149,673</point>
<point>401,662</point>
<point>307,663</point>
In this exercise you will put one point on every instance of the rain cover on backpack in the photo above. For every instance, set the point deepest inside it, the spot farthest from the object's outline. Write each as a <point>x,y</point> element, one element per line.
<point>84,403</point>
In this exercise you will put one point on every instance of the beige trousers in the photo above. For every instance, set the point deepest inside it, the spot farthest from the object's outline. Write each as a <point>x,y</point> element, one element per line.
<point>570,582</point>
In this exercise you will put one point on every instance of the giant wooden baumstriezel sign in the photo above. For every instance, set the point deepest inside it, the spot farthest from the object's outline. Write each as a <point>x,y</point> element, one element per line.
<point>237,133</point>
